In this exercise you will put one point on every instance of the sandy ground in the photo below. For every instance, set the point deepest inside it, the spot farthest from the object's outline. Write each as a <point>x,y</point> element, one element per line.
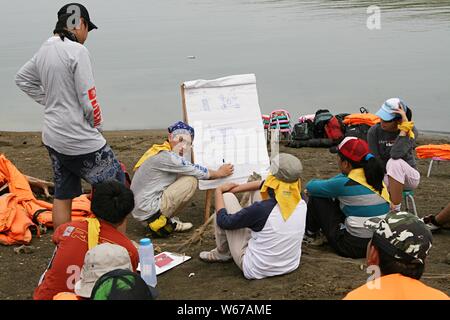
<point>321,275</point>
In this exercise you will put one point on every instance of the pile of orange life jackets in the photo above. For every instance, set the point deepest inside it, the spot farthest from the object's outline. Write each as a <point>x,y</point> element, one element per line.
<point>20,210</point>
<point>361,118</point>
<point>441,151</point>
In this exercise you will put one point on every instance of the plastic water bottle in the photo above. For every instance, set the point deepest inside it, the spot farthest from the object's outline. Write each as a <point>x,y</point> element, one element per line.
<point>147,262</point>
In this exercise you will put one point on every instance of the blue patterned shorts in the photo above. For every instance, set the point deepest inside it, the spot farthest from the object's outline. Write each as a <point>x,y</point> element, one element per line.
<point>94,168</point>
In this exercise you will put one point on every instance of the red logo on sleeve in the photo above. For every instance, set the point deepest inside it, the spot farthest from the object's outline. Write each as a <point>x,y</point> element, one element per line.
<point>92,93</point>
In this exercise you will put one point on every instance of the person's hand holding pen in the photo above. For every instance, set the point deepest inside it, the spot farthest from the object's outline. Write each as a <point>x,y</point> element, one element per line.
<point>226,169</point>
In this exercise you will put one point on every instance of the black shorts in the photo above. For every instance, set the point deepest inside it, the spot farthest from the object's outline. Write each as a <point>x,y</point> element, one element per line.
<point>95,167</point>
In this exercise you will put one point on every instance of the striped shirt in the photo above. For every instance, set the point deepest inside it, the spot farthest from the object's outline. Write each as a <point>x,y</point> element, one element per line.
<point>357,202</point>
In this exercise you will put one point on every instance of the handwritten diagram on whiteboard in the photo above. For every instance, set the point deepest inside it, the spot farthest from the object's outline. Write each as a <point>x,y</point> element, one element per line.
<point>226,116</point>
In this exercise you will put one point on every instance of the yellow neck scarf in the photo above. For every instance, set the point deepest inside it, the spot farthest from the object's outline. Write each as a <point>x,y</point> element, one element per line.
<point>286,194</point>
<point>358,176</point>
<point>93,232</point>
<point>155,149</point>
<point>407,126</point>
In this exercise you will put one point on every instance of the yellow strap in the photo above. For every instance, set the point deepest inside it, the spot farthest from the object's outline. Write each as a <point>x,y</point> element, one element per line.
<point>407,126</point>
<point>286,194</point>
<point>158,223</point>
<point>155,149</point>
<point>358,176</point>
<point>93,232</point>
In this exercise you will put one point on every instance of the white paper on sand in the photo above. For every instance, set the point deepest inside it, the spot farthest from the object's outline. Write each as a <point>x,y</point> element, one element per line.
<point>166,261</point>
<point>226,116</point>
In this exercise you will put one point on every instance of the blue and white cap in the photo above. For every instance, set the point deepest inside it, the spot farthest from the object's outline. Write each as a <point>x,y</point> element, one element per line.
<point>181,128</point>
<point>386,111</point>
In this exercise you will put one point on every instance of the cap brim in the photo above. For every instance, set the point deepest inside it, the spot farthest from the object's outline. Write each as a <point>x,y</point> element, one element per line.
<point>84,289</point>
<point>91,26</point>
<point>385,116</point>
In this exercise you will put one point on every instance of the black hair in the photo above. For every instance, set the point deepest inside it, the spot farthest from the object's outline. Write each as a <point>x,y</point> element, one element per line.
<point>409,114</point>
<point>373,171</point>
<point>390,265</point>
<point>61,28</point>
<point>112,201</point>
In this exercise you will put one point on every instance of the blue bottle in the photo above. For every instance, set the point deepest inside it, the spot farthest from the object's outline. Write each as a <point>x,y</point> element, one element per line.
<point>147,262</point>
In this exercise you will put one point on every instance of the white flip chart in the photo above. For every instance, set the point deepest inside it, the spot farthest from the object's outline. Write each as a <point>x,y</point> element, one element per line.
<point>226,116</point>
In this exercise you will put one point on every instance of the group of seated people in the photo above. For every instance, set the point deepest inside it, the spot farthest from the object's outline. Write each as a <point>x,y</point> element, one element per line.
<point>358,212</point>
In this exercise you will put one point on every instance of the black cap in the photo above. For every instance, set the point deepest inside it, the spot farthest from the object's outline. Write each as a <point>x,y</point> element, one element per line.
<point>83,13</point>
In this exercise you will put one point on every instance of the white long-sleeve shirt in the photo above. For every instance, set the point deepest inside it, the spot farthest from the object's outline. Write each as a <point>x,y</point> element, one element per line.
<point>59,76</point>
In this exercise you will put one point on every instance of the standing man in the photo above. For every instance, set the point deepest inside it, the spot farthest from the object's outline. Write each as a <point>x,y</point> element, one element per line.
<point>59,76</point>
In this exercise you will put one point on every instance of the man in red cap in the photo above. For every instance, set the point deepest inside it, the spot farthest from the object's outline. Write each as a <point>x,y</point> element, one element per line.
<point>339,206</point>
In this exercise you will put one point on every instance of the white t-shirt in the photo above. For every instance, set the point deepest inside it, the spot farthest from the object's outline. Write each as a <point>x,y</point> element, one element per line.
<point>276,249</point>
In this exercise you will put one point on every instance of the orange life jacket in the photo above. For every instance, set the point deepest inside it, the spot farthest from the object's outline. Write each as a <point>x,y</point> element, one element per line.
<point>20,210</point>
<point>67,296</point>
<point>395,287</point>
<point>361,118</point>
<point>434,151</point>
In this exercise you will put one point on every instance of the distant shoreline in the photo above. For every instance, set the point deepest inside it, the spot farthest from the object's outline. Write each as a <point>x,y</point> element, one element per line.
<point>426,133</point>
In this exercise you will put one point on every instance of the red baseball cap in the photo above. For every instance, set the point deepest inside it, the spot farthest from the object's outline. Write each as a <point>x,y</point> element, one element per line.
<point>352,148</point>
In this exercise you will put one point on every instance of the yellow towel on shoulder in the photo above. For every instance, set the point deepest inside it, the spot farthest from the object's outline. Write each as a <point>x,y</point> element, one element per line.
<point>155,149</point>
<point>358,176</point>
<point>93,232</point>
<point>407,126</point>
<point>286,194</point>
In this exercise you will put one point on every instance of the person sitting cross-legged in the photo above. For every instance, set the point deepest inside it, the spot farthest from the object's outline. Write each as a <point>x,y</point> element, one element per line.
<point>264,239</point>
<point>339,206</point>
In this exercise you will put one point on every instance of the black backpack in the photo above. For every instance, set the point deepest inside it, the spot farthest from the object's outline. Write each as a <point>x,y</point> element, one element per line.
<point>358,130</point>
<point>321,119</point>
<point>303,131</point>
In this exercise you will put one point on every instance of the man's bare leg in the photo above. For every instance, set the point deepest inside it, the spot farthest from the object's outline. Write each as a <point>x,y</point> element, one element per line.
<point>62,212</point>
<point>443,217</point>
<point>395,190</point>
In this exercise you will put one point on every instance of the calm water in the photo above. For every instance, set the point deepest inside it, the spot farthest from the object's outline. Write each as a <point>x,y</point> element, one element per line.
<point>305,54</point>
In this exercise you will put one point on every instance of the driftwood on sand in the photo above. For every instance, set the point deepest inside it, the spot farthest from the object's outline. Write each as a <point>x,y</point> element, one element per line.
<point>198,234</point>
<point>41,185</point>
<point>3,187</point>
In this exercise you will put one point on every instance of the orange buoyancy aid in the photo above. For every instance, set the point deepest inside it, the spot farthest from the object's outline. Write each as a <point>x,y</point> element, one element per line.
<point>361,118</point>
<point>20,210</point>
<point>433,151</point>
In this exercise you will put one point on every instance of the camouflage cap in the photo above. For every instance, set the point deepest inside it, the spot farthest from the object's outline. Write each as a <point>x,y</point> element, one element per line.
<point>402,235</point>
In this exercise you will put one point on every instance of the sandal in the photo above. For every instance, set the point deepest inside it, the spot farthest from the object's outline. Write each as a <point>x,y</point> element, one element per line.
<point>214,256</point>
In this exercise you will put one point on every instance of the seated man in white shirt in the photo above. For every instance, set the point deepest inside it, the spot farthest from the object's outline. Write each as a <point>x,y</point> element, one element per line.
<point>264,239</point>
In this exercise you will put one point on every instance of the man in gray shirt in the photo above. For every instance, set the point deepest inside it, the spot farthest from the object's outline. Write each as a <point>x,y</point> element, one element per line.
<point>165,181</point>
<point>393,142</point>
<point>59,76</point>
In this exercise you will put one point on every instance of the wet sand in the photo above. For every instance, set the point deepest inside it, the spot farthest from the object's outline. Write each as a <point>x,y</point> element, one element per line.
<point>321,275</point>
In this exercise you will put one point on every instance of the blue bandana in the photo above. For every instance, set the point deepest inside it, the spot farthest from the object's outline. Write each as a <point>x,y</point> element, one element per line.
<point>182,127</point>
